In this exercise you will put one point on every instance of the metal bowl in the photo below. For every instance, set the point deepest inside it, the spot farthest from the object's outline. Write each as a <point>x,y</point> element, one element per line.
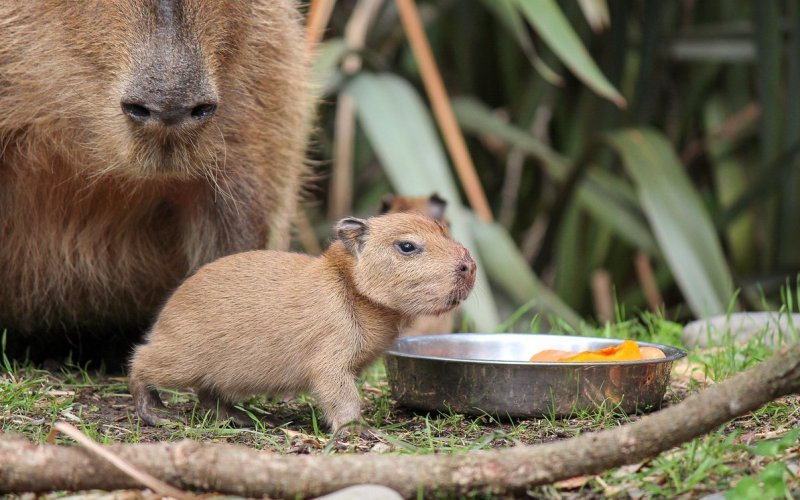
<point>490,373</point>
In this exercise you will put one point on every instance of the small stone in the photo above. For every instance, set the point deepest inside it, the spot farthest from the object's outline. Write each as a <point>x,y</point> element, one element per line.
<point>381,448</point>
<point>742,327</point>
<point>362,491</point>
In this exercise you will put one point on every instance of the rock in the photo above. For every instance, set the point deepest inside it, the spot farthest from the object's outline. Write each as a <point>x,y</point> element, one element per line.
<point>742,327</point>
<point>362,491</point>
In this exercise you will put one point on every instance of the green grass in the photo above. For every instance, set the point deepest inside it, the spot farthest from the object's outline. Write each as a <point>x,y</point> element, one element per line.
<point>733,459</point>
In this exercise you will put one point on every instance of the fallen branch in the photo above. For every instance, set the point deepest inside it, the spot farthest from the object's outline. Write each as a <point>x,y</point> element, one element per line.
<point>243,471</point>
<point>157,485</point>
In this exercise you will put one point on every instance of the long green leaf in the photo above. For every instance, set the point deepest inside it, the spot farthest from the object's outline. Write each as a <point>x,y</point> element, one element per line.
<point>509,269</point>
<point>401,132</point>
<point>547,19</point>
<point>607,199</point>
<point>506,12</point>
<point>679,220</point>
<point>768,77</point>
<point>324,74</point>
<point>730,181</point>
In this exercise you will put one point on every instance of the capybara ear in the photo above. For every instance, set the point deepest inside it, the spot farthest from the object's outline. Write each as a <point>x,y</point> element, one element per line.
<point>386,203</point>
<point>353,233</point>
<point>436,207</point>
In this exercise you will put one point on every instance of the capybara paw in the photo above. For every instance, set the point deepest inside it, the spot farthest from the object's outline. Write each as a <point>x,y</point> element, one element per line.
<point>236,416</point>
<point>151,418</point>
<point>352,430</point>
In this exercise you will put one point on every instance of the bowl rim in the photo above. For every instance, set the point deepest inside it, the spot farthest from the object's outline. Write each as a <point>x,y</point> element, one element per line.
<point>672,353</point>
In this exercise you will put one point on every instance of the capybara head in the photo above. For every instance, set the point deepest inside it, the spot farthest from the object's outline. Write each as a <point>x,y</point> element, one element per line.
<point>433,206</point>
<point>408,262</point>
<point>147,87</point>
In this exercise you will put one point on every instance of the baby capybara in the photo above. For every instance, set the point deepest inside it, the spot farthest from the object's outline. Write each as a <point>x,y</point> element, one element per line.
<point>273,323</point>
<point>139,139</point>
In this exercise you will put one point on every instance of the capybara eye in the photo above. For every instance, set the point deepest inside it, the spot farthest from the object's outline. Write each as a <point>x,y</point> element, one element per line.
<point>407,248</point>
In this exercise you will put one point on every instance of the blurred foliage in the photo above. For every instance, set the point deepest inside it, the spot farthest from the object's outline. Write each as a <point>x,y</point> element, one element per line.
<point>601,131</point>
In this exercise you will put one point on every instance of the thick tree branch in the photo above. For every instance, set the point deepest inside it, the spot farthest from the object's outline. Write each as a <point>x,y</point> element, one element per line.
<point>244,471</point>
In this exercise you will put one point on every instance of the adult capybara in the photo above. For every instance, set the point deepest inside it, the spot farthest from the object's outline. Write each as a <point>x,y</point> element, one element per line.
<point>139,139</point>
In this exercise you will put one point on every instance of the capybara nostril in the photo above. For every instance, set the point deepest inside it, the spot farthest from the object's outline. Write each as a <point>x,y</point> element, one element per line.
<point>467,266</point>
<point>204,111</point>
<point>169,113</point>
<point>136,112</point>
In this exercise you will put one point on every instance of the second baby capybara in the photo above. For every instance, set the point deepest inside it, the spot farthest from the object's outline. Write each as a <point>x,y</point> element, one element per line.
<point>139,139</point>
<point>271,323</point>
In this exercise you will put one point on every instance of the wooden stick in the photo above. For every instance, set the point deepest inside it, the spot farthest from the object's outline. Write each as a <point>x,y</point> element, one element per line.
<point>318,16</point>
<point>157,485</point>
<point>341,188</point>
<point>442,109</point>
<point>603,295</point>
<point>644,270</point>
<point>243,471</point>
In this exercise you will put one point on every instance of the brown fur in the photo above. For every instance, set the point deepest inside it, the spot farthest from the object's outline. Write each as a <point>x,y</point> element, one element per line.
<point>100,218</point>
<point>432,206</point>
<point>268,322</point>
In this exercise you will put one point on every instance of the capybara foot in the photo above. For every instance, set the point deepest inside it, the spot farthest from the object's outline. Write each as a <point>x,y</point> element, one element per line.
<point>211,400</point>
<point>147,402</point>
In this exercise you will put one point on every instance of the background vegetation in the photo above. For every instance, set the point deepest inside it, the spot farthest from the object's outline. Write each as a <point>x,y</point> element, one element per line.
<point>638,150</point>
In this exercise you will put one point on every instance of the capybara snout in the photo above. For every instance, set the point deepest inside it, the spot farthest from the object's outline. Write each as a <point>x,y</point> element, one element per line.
<point>170,81</point>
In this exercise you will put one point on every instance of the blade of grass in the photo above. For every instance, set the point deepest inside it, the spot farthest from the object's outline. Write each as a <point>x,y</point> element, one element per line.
<point>678,218</point>
<point>550,23</point>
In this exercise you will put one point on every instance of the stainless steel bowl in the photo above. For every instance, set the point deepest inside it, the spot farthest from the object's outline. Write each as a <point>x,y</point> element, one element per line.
<point>490,373</point>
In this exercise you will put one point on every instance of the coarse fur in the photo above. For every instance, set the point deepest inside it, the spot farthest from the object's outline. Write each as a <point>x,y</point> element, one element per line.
<point>101,216</point>
<point>271,323</point>
<point>433,206</point>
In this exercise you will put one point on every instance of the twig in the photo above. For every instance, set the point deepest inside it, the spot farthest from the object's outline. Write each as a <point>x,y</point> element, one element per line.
<point>157,485</point>
<point>603,295</point>
<point>442,109</point>
<point>644,270</point>
<point>318,16</point>
<point>341,190</point>
<point>243,471</point>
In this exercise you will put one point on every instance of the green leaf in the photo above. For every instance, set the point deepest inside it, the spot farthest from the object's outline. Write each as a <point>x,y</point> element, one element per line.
<point>506,12</point>
<point>774,447</point>
<point>324,74</point>
<point>549,22</point>
<point>604,197</point>
<point>508,268</point>
<point>596,14</point>
<point>768,77</point>
<point>678,218</point>
<point>746,489</point>
<point>402,134</point>
<point>773,477</point>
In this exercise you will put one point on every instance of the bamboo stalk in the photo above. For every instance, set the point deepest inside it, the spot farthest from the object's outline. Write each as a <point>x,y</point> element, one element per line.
<point>442,109</point>
<point>341,187</point>
<point>318,16</point>
<point>644,270</point>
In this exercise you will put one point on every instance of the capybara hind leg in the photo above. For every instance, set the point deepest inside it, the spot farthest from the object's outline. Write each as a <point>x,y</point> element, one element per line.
<point>147,401</point>
<point>212,400</point>
<point>340,402</point>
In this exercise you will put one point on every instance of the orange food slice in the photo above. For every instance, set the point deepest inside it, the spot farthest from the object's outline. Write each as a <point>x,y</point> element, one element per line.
<point>551,355</point>
<point>626,351</point>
